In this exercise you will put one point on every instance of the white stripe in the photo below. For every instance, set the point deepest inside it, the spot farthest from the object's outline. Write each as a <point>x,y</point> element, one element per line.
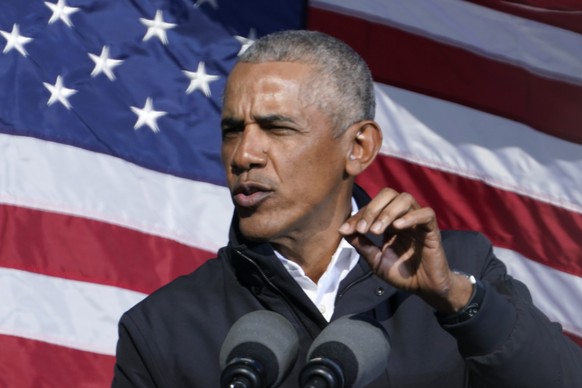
<point>69,313</point>
<point>541,48</point>
<point>65,179</point>
<point>556,293</point>
<point>503,153</point>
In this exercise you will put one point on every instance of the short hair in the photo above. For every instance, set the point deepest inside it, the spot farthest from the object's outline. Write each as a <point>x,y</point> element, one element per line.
<point>342,80</point>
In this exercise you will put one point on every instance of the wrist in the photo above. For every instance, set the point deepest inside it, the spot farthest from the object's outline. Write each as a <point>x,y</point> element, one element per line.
<point>471,307</point>
<point>456,296</point>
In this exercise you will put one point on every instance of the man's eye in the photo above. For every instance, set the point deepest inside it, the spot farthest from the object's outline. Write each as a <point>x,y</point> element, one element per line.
<point>230,131</point>
<point>279,129</point>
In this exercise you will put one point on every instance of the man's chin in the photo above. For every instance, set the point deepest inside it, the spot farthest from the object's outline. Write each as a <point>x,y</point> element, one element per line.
<point>253,230</point>
<point>245,212</point>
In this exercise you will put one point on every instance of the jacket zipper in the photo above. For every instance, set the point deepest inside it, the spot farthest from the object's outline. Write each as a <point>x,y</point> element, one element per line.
<point>352,284</point>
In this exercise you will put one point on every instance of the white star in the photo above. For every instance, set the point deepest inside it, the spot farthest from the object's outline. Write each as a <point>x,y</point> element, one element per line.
<point>157,26</point>
<point>213,3</point>
<point>61,12</point>
<point>147,116</point>
<point>200,80</point>
<point>246,42</point>
<point>104,64</point>
<point>15,41</point>
<point>59,93</point>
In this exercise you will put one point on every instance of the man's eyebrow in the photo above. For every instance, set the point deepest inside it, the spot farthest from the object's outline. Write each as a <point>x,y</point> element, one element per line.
<point>230,122</point>
<point>268,119</point>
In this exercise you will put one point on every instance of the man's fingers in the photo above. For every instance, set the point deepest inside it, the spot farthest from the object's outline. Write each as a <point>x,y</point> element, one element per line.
<point>363,245</point>
<point>424,217</point>
<point>376,213</point>
<point>381,261</point>
<point>401,205</point>
<point>363,219</point>
<point>380,213</point>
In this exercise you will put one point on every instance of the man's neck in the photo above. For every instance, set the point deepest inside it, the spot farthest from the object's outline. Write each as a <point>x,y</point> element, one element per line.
<point>313,250</point>
<point>312,255</point>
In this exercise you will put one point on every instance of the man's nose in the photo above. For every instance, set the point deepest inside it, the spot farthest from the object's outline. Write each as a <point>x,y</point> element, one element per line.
<point>251,150</point>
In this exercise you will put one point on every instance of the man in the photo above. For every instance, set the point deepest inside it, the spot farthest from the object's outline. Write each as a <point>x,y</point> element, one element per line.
<point>305,242</point>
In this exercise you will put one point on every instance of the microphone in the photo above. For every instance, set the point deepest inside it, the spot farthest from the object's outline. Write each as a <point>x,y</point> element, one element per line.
<point>258,351</point>
<point>350,352</point>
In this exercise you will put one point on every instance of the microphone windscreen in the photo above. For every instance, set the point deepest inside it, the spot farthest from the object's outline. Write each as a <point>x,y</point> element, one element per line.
<point>263,336</point>
<point>358,344</point>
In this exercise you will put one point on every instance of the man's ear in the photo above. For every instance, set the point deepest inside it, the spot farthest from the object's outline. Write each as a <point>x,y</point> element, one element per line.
<point>366,141</point>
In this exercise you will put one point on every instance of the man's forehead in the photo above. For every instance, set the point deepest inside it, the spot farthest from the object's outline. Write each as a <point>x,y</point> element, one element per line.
<point>257,109</point>
<point>271,69</point>
<point>271,89</point>
<point>274,64</point>
<point>269,82</point>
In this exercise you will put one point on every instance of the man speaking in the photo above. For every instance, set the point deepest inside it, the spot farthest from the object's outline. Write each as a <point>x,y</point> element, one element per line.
<point>307,243</point>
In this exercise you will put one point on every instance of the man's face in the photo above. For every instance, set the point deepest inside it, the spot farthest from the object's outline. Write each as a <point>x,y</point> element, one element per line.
<point>283,166</point>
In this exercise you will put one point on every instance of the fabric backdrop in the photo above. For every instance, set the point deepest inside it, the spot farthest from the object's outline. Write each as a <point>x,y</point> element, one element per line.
<point>110,176</point>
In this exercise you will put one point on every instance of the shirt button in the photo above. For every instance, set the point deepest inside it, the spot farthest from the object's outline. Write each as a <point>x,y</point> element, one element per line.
<point>321,308</point>
<point>379,291</point>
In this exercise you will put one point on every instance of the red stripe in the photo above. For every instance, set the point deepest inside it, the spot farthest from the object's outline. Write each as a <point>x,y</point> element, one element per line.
<point>92,251</point>
<point>26,363</point>
<point>577,340</point>
<point>566,14</point>
<point>547,234</point>
<point>420,64</point>
<point>550,5</point>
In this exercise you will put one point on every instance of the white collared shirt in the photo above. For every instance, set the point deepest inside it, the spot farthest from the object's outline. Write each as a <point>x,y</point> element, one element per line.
<point>324,292</point>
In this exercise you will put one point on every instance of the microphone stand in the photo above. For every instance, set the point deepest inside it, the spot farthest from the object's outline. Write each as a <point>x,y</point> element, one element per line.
<point>321,373</point>
<point>242,373</point>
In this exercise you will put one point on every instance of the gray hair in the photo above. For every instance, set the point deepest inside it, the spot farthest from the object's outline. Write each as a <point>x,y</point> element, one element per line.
<point>343,86</point>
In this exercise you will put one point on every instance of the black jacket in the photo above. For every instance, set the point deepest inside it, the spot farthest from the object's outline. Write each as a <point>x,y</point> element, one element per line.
<point>173,337</point>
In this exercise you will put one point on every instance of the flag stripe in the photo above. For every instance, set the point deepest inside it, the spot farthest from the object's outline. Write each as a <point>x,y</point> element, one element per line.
<point>105,188</point>
<point>568,16</point>
<point>78,315</point>
<point>576,339</point>
<point>476,29</point>
<point>467,142</point>
<point>540,278</point>
<point>29,363</point>
<point>461,74</point>
<point>72,247</point>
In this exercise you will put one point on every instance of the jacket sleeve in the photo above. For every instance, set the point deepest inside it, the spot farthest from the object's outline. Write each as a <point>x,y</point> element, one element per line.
<point>133,366</point>
<point>509,342</point>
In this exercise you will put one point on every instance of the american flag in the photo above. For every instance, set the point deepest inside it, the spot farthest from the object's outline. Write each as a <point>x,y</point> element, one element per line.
<point>110,176</point>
